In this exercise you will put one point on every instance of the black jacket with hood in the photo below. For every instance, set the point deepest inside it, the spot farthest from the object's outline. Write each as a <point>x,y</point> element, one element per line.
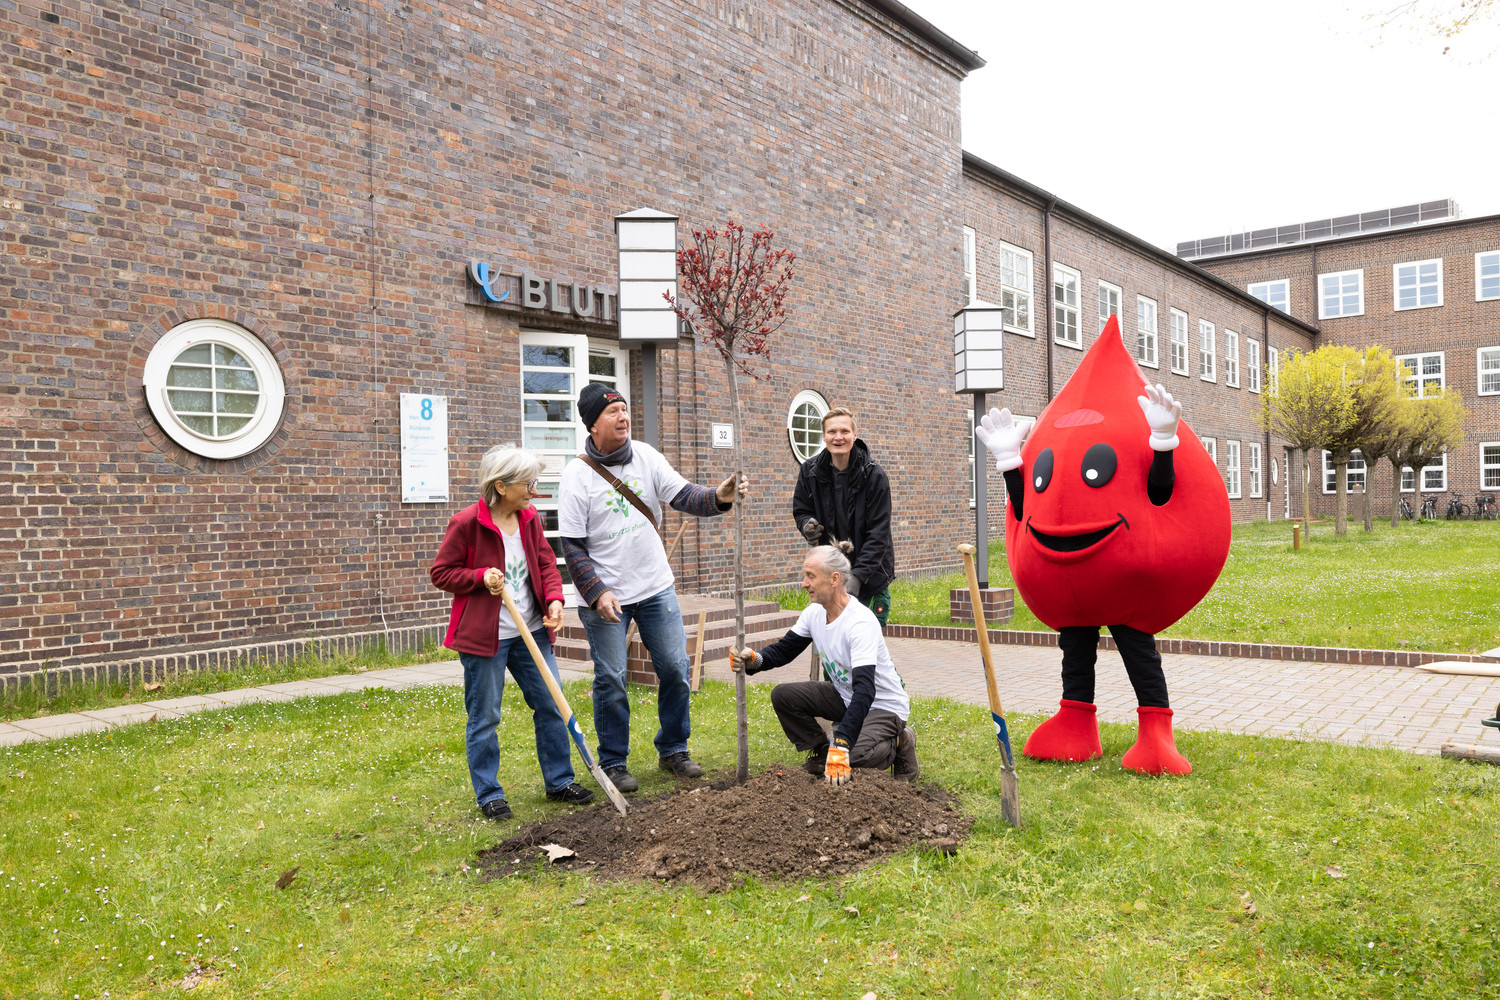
<point>868,517</point>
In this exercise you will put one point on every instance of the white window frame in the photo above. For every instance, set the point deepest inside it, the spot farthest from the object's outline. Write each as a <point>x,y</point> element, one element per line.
<point>806,398</point>
<point>1231,359</point>
<point>1347,294</point>
<point>1011,292</point>
<point>1487,266</point>
<point>1408,479</point>
<point>1417,284</point>
<point>1212,447</point>
<point>971,262</point>
<point>1179,340</point>
<point>1440,483</point>
<point>1145,336</point>
<point>1252,365</point>
<point>270,403</point>
<point>1062,310</point>
<point>1256,483</point>
<point>1489,465</point>
<point>1232,469</point>
<point>1273,371</point>
<point>1356,476</point>
<point>1267,292</point>
<point>1208,365</point>
<point>1487,364</point>
<point>1418,374</point>
<point>1110,298</point>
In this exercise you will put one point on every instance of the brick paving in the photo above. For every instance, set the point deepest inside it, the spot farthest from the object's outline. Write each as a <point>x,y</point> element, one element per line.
<point>1347,703</point>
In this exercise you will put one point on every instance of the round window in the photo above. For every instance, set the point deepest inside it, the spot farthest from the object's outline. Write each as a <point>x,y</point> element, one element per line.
<point>804,424</point>
<point>214,388</point>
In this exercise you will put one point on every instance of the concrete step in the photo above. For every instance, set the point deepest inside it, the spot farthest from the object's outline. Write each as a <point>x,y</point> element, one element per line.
<point>764,622</point>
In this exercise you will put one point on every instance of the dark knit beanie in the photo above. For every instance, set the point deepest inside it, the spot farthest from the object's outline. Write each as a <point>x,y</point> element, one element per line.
<point>592,401</point>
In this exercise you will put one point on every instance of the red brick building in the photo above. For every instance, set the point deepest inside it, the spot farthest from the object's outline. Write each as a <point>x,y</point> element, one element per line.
<point>237,235</point>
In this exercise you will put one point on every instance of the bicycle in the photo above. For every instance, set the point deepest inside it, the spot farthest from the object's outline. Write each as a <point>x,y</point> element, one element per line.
<point>1429,508</point>
<point>1455,507</point>
<point>1484,507</point>
<point>1406,512</point>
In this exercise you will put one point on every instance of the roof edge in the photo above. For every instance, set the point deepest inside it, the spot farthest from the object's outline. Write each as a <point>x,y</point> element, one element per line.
<point>928,32</point>
<point>1047,198</point>
<point>1373,234</point>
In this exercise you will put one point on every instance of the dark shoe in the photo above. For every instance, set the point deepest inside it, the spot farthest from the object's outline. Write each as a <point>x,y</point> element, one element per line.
<point>574,795</point>
<point>679,764</point>
<point>816,761</point>
<point>622,779</point>
<point>496,809</point>
<point>907,768</point>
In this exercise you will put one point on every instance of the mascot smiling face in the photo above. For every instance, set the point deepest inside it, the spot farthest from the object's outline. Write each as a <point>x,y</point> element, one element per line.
<point>1091,548</point>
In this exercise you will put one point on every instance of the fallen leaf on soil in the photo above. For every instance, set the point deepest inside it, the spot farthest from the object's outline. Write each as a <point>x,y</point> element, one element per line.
<point>852,910</point>
<point>555,851</point>
<point>72,816</point>
<point>869,996</point>
<point>154,687</point>
<point>1247,903</point>
<point>803,898</point>
<point>152,719</point>
<point>580,901</point>
<point>1334,871</point>
<point>287,877</point>
<point>228,728</point>
<point>261,825</point>
<point>344,916</point>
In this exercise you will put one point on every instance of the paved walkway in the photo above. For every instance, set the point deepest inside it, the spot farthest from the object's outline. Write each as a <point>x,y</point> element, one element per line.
<point>1364,705</point>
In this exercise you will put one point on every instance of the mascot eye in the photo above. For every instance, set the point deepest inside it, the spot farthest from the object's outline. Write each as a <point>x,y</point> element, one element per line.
<point>1098,465</point>
<point>1041,470</point>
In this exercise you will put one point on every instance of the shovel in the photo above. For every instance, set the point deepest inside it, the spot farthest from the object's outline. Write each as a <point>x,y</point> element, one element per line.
<point>562,707</point>
<point>1010,791</point>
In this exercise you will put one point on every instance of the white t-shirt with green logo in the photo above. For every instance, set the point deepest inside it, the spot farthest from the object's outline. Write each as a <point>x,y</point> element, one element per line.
<point>626,551</point>
<point>518,582</point>
<point>854,640</point>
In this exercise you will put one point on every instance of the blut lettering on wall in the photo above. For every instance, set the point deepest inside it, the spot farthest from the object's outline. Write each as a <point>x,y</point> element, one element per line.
<point>527,292</point>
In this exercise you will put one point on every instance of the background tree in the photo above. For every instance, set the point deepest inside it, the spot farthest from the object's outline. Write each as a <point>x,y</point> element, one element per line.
<point>1375,379</point>
<point>1430,428</point>
<point>735,287</point>
<point>1313,406</point>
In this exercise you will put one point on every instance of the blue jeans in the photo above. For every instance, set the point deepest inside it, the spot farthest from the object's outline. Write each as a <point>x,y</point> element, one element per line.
<point>660,621</point>
<point>484,683</point>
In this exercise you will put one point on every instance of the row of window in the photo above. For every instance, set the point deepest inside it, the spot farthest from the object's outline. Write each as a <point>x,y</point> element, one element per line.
<point>1232,477</point>
<point>1434,477</point>
<point>1428,378</point>
<point>1067,283</point>
<point>1415,284</point>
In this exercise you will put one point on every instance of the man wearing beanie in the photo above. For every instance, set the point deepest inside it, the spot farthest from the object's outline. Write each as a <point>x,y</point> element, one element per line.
<point>618,564</point>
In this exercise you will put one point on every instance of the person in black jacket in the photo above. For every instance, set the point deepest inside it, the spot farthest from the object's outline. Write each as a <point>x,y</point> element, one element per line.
<point>843,499</point>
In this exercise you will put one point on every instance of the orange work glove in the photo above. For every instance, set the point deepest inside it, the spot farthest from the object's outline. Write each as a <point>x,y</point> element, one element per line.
<point>836,770</point>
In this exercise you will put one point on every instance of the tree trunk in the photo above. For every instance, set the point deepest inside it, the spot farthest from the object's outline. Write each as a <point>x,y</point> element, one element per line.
<point>1395,494</point>
<point>1369,506</point>
<point>1341,502</point>
<point>741,719</point>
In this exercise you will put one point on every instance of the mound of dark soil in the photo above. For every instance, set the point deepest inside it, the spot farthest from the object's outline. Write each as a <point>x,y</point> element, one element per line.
<point>781,824</point>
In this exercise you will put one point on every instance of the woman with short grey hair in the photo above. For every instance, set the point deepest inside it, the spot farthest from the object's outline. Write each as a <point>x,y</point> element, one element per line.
<point>492,545</point>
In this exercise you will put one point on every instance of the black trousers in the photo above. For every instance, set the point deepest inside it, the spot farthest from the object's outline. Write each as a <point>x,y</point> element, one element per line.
<point>800,704</point>
<point>1080,650</point>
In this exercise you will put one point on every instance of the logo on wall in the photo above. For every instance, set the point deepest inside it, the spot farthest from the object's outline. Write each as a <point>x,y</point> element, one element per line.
<point>528,293</point>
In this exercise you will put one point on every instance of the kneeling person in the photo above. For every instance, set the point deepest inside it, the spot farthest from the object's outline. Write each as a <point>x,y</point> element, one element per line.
<point>864,699</point>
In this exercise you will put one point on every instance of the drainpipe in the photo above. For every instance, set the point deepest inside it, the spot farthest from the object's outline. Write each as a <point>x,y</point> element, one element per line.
<point>1047,284</point>
<point>1264,377</point>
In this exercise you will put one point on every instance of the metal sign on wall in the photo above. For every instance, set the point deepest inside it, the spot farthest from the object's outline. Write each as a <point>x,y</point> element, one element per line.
<point>424,448</point>
<point>549,299</point>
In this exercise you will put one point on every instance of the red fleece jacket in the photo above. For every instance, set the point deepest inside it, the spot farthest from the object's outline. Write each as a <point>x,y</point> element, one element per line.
<point>471,545</point>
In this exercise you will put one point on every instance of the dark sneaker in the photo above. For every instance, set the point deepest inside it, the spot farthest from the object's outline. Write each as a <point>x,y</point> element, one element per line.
<point>574,795</point>
<point>622,779</point>
<point>907,768</point>
<point>496,809</point>
<point>679,764</point>
<point>816,761</point>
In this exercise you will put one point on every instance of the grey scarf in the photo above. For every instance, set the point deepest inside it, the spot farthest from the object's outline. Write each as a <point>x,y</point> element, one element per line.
<point>620,456</point>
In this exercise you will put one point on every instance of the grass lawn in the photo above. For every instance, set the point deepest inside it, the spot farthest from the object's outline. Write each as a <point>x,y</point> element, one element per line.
<point>1430,585</point>
<point>135,862</point>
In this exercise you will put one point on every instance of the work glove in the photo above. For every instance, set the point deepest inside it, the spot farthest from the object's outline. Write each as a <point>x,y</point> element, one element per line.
<point>1002,436</point>
<point>1162,414</point>
<point>812,530</point>
<point>836,770</point>
<point>747,660</point>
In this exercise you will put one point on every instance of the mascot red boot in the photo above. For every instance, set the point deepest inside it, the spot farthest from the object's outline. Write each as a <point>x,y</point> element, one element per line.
<point>1116,519</point>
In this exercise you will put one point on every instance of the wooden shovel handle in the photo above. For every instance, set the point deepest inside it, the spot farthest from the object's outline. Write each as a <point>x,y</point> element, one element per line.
<point>536,654</point>
<point>983,630</point>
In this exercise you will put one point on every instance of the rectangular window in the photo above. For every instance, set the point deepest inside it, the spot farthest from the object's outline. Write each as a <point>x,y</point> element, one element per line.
<point>1273,370</point>
<point>1408,480</point>
<point>1212,447</point>
<point>971,263</point>
<point>1489,466</point>
<point>1145,331</point>
<point>1254,469</point>
<point>1489,371</point>
<point>1425,371</point>
<point>1179,323</point>
<point>1231,358</point>
<point>1109,302</point>
<point>1252,365</point>
<point>1232,468</point>
<point>1419,285</point>
<point>1341,293</point>
<point>1015,289</point>
<point>1487,276</point>
<point>1356,475</point>
<point>1065,285</point>
<point>1435,476</point>
<point>1207,364</point>
<point>1274,293</point>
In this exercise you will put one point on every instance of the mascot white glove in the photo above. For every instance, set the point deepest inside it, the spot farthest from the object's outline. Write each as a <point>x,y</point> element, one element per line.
<point>1162,414</point>
<point>1003,437</point>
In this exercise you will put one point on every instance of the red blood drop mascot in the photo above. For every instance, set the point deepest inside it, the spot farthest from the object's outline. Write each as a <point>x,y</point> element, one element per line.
<point>1115,519</point>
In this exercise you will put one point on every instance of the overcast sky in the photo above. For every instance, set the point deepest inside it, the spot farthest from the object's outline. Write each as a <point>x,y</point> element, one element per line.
<point>1177,121</point>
